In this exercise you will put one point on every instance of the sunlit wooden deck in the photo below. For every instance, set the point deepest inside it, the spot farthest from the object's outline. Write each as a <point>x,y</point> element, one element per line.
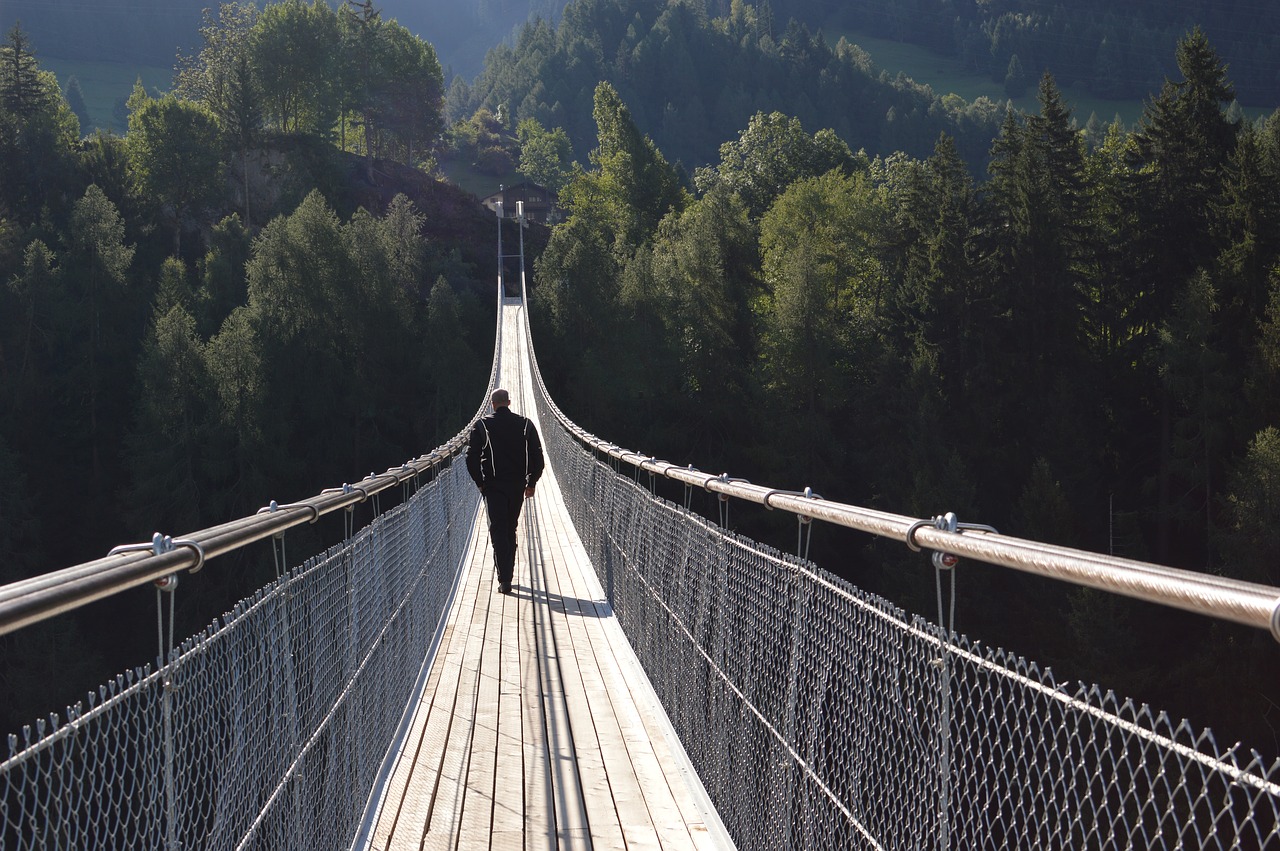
<point>537,727</point>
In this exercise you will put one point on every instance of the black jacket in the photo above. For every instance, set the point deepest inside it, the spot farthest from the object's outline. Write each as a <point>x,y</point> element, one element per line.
<point>505,449</point>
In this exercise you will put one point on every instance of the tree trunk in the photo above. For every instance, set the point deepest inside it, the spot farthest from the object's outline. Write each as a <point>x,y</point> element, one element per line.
<point>245,170</point>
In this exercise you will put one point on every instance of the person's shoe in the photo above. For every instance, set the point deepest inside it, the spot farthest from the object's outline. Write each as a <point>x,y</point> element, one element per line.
<point>504,588</point>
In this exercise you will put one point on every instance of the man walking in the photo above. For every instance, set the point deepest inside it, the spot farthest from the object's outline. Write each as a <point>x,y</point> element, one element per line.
<point>504,459</point>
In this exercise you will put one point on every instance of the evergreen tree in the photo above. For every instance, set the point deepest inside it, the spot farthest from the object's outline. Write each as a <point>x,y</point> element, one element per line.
<point>234,363</point>
<point>1180,159</point>
<point>76,103</point>
<point>38,133</point>
<point>1192,370</point>
<point>639,187</point>
<point>1179,163</point>
<point>22,91</point>
<point>1247,222</point>
<point>706,261</point>
<point>449,361</point>
<point>168,441</point>
<point>1015,78</point>
<point>95,266</point>
<point>222,275</point>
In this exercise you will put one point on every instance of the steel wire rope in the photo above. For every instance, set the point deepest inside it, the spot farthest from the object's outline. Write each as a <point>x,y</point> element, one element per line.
<point>1248,603</point>
<point>1234,772</point>
<point>322,725</point>
<point>796,758</point>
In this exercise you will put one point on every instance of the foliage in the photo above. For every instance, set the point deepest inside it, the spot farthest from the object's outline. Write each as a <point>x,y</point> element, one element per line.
<point>170,155</point>
<point>772,153</point>
<point>397,87</point>
<point>1113,50</point>
<point>545,155</point>
<point>692,80</point>
<point>1082,348</point>
<point>167,362</point>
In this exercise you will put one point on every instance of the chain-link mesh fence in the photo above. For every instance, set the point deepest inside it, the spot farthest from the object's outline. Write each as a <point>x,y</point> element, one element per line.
<point>269,729</point>
<point>820,716</point>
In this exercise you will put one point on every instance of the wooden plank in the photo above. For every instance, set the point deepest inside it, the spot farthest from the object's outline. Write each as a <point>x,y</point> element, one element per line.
<point>477,812</point>
<point>572,816</point>
<point>450,793</point>
<point>538,798</point>
<point>413,779</point>
<point>657,799</point>
<point>532,731</point>
<point>612,761</point>
<point>508,809</point>
<point>602,816</point>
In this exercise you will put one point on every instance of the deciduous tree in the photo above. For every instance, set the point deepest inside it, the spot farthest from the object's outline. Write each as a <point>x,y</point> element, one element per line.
<point>169,145</point>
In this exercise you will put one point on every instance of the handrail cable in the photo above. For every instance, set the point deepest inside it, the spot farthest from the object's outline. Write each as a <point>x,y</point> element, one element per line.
<point>38,598</point>
<point>1248,603</point>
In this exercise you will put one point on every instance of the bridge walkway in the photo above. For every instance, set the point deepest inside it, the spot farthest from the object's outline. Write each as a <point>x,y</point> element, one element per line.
<point>537,727</point>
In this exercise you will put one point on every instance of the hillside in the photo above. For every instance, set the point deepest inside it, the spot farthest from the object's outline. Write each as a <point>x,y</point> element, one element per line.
<point>693,80</point>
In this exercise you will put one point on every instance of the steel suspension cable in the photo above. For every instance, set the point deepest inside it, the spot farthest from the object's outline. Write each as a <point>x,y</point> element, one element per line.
<point>1249,603</point>
<point>39,598</point>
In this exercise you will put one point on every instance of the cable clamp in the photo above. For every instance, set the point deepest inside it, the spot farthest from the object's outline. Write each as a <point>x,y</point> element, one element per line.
<point>807,493</point>
<point>273,507</point>
<point>725,479</point>
<point>944,523</point>
<point>396,471</point>
<point>161,544</point>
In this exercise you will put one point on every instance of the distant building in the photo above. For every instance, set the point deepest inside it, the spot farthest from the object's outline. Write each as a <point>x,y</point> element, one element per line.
<point>540,203</point>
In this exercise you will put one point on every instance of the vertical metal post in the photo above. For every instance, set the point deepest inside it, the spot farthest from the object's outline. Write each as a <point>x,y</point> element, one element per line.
<point>520,223</point>
<point>944,792</point>
<point>788,796</point>
<point>170,793</point>
<point>502,286</point>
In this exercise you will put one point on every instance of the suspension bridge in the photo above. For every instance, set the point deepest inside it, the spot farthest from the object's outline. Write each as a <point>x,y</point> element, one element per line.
<point>655,681</point>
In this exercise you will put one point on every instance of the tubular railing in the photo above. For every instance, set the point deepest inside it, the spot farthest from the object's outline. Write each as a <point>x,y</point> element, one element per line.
<point>819,716</point>
<point>38,598</point>
<point>1247,603</point>
<point>270,728</point>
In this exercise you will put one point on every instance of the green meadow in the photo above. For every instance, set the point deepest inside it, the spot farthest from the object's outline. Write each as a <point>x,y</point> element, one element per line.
<point>945,76</point>
<point>105,83</point>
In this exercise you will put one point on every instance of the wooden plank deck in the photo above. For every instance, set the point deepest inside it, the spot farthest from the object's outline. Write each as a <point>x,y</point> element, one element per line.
<point>536,727</point>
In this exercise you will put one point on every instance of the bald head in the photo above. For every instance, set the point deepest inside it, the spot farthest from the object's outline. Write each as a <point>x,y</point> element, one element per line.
<point>500,398</point>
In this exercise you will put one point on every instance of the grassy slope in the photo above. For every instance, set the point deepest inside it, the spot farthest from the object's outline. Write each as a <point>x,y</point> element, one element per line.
<point>945,76</point>
<point>104,83</point>
<point>480,185</point>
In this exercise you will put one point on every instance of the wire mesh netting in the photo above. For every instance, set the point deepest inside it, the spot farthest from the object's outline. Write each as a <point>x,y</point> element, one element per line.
<point>269,729</point>
<point>819,716</point>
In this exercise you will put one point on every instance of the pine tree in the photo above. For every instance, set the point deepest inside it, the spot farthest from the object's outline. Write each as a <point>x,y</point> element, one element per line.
<point>1180,158</point>
<point>96,265</point>
<point>21,91</point>
<point>75,100</point>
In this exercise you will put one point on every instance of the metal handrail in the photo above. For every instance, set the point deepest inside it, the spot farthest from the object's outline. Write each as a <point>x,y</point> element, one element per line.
<point>29,601</point>
<point>1249,603</point>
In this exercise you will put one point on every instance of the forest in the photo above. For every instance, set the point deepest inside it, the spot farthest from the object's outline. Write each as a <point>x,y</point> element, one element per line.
<point>1080,348</point>
<point>832,279</point>
<point>253,294</point>
<point>1114,50</point>
<point>694,80</point>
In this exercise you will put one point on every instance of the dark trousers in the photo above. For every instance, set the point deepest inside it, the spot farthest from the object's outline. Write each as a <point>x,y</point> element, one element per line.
<point>504,502</point>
